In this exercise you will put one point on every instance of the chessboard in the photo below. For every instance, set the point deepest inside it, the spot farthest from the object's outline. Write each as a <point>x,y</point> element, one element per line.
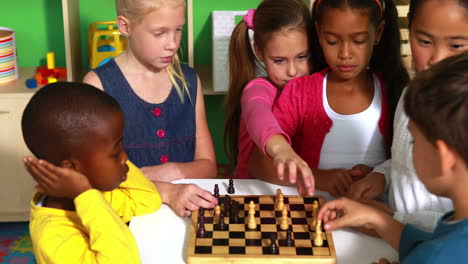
<point>235,242</point>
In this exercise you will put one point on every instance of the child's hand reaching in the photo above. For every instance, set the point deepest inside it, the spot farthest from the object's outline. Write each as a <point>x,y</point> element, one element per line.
<point>370,187</point>
<point>185,198</point>
<point>56,181</point>
<point>289,164</point>
<point>346,213</point>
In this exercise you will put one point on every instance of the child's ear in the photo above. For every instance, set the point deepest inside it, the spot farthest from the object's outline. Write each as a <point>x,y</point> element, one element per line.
<point>124,25</point>
<point>379,32</point>
<point>447,157</point>
<point>258,53</point>
<point>68,164</point>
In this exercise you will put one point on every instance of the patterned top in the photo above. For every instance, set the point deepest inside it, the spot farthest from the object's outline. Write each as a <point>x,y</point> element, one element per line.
<point>154,133</point>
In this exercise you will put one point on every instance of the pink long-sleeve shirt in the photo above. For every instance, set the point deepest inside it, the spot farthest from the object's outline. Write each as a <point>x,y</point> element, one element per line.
<point>257,123</point>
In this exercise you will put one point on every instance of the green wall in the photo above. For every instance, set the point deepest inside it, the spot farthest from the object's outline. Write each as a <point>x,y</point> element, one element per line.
<point>39,29</point>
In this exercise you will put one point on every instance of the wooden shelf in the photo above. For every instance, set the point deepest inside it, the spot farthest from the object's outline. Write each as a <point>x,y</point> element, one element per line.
<point>19,86</point>
<point>205,72</point>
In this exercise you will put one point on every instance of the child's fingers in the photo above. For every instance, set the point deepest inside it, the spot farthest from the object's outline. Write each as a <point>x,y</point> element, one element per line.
<point>355,173</point>
<point>190,205</point>
<point>46,169</point>
<point>301,190</point>
<point>39,176</point>
<point>210,200</point>
<point>337,223</point>
<point>292,172</point>
<point>280,170</point>
<point>201,202</point>
<point>308,179</point>
<point>330,206</point>
<point>39,189</point>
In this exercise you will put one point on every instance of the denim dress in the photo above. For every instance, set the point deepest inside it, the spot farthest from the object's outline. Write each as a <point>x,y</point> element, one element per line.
<point>154,133</point>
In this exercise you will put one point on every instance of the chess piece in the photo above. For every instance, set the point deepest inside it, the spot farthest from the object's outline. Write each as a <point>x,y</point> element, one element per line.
<point>273,246</point>
<point>234,208</point>
<point>227,204</point>
<point>230,189</point>
<point>201,214</point>
<point>284,219</point>
<point>288,240</point>
<point>252,224</point>
<point>280,202</point>
<point>315,207</point>
<point>318,241</point>
<point>221,224</point>
<point>201,227</point>
<point>216,191</point>
<point>217,210</point>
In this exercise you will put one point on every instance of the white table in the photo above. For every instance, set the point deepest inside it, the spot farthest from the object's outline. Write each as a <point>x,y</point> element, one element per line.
<point>162,235</point>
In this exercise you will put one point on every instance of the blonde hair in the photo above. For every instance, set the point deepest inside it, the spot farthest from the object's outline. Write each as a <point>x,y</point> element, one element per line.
<point>135,10</point>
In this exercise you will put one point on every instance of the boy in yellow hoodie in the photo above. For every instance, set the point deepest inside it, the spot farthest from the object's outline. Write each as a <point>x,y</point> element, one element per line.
<point>77,218</point>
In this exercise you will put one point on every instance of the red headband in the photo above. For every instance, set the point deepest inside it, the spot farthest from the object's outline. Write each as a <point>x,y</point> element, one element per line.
<point>377,1</point>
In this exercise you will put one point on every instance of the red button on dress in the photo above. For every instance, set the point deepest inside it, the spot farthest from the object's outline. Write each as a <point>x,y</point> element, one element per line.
<point>164,159</point>
<point>161,133</point>
<point>157,111</point>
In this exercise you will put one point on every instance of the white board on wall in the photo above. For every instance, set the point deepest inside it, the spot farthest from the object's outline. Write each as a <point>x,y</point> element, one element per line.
<point>224,23</point>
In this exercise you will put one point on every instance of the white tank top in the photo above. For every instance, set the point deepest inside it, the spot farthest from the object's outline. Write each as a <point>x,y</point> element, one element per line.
<point>355,138</point>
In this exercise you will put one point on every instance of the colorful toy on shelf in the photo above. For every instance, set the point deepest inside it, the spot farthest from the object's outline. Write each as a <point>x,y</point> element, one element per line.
<point>48,73</point>
<point>8,66</point>
<point>31,83</point>
<point>104,42</point>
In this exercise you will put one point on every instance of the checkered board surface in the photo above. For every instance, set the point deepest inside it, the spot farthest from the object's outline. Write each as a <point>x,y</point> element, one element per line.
<point>238,244</point>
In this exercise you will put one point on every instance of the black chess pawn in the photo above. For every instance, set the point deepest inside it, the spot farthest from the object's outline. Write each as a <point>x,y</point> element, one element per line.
<point>234,211</point>
<point>221,224</point>
<point>289,241</point>
<point>201,227</point>
<point>216,191</point>
<point>227,204</point>
<point>201,213</point>
<point>273,246</point>
<point>230,189</point>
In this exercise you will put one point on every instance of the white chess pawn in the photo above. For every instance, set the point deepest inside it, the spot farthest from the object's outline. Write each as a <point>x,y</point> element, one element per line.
<point>280,202</point>
<point>315,207</point>
<point>284,225</point>
<point>252,224</point>
<point>318,241</point>
<point>217,211</point>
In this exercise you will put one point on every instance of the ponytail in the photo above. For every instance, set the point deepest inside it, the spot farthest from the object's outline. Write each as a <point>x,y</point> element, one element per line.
<point>387,61</point>
<point>242,69</point>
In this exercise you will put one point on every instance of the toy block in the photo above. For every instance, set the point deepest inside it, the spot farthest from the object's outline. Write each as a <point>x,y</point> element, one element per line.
<point>44,71</point>
<point>50,60</point>
<point>51,79</point>
<point>60,73</point>
<point>41,80</point>
<point>31,83</point>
